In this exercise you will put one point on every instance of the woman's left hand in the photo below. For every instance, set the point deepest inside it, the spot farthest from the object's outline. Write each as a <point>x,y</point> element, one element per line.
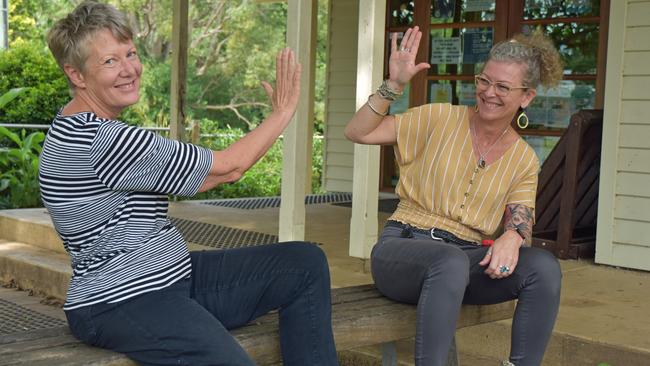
<point>502,257</point>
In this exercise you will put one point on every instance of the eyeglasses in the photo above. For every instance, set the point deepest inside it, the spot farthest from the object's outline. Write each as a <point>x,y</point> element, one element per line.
<point>500,89</point>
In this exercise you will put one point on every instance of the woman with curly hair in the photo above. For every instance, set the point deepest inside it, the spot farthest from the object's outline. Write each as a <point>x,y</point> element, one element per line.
<point>464,171</point>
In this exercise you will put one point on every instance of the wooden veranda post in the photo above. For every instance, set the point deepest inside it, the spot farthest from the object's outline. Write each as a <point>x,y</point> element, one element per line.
<point>365,183</point>
<point>179,69</point>
<point>297,148</point>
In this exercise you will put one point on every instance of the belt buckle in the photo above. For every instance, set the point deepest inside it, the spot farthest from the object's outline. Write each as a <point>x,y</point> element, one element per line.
<point>433,235</point>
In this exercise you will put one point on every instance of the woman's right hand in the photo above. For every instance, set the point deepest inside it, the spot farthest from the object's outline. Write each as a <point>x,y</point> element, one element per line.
<point>284,98</point>
<point>231,163</point>
<point>401,65</point>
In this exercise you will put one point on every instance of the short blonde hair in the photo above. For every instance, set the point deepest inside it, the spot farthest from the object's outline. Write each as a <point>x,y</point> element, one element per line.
<point>537,52</point>
<point>68,39</point>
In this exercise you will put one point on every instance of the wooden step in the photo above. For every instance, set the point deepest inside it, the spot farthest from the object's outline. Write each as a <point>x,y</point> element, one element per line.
<point>55,346</point>
<point>360,316</point>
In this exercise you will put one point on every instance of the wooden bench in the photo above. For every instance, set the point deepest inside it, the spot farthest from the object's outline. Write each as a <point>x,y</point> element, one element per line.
<point>361,316</point>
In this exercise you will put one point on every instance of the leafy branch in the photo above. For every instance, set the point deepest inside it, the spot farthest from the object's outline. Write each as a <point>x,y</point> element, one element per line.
<point>234,107</point>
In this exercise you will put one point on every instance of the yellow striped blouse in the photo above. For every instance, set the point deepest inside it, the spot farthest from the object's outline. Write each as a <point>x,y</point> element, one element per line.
<point>440,184</point>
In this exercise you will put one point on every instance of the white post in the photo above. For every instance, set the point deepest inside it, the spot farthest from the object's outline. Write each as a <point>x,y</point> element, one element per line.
<point>296,162</point>
<point>4,26</point>
<point>179,69</point>
<point>365,184</point>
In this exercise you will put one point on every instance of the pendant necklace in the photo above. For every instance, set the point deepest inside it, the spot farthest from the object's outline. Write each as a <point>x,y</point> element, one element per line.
<point>481,156</point>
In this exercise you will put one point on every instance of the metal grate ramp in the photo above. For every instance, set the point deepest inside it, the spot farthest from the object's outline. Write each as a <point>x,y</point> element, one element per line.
<point>221,237</point>
<point>254,203</point>
<point>387,205</point>
<point>18,319</point>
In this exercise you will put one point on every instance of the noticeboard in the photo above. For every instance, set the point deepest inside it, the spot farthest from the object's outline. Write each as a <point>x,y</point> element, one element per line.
<point>446,50</point>
<point>476,45</point>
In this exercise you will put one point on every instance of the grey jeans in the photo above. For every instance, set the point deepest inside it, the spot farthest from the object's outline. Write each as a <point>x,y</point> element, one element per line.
<point>411,267</point>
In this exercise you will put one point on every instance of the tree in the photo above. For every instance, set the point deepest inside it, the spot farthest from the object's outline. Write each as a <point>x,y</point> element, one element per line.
<point>29,20</point>
<point>232,48</point>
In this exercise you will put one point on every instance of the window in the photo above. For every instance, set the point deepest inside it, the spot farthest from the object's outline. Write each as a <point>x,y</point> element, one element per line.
<point>457,35</point>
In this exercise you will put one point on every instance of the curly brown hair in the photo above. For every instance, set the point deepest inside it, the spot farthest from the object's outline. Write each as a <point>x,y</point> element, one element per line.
<point>537,52</point>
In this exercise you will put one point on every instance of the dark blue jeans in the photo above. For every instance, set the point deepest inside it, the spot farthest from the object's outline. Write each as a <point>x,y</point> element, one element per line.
<point>188,322</point>
<point>439,277</point>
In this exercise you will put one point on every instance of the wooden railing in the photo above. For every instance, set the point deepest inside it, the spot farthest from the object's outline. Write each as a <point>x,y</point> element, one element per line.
<point>567,192</point>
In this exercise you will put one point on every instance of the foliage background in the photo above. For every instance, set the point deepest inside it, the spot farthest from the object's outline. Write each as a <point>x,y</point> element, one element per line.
<point>232,48</point>
<point>264,178</point>
<point>19,169</point>
<point>29,64</point>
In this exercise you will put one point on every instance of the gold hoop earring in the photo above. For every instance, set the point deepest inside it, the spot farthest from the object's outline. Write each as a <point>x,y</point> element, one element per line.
<point>522,120</point>
<point>476,108</point>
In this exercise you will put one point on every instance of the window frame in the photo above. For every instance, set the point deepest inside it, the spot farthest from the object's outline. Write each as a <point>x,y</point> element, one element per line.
<point>508,20</point>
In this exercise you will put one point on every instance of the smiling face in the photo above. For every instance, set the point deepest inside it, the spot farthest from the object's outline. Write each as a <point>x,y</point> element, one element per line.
<point>492,104</point>
<point>110,80</point>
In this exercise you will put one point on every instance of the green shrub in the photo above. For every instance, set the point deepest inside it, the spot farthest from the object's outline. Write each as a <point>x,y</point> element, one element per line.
<point>317,166</point>
<point>19,170</point>
<point>30,65</point>
<point>264,178</point>
<point>10,95</point>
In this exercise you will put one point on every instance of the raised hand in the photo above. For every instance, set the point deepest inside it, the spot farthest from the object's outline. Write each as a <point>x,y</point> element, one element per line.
<point>284,98</point>
<point>401,65</point>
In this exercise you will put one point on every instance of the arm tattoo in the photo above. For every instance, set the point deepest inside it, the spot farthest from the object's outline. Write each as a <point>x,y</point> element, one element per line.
<point>519,218</point>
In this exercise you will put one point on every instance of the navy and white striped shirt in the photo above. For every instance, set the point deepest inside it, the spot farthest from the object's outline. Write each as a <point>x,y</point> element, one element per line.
<point>105,185</point>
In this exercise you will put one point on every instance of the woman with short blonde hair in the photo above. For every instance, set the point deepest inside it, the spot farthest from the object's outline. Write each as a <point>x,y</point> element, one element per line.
<point>135,287</point>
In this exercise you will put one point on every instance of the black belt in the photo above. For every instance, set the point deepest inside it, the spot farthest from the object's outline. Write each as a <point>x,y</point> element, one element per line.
<point>435,233</point>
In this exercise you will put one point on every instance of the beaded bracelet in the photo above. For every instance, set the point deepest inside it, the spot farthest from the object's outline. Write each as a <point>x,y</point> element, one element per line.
<point>387,92</point>
<point>374,109</point>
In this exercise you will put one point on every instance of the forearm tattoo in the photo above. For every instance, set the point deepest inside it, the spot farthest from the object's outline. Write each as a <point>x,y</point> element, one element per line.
<point>519,218</point>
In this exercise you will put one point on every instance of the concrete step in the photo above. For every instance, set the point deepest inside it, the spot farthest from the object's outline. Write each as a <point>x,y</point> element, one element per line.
<point>368,357</point>
<point>30,226</point>
<point>487,344</point>
<point>35,227</point>
<point>33,268</point>
<point>492,340</point>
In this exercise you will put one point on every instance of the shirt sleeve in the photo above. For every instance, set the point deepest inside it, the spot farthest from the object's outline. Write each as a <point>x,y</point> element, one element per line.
<point>524,188</point>
<point>128,158</point>
<point>415,127</point>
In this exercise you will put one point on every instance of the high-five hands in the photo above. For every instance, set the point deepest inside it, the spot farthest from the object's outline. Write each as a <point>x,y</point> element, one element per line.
<point>401,65</point>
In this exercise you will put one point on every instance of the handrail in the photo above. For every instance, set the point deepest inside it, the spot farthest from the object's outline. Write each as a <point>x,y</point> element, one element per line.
<point>45,127</point>
<point>157,129</point>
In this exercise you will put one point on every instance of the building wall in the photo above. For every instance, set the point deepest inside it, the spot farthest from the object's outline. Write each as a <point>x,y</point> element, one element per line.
<point>623,236</point>
<point>341,93</point>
